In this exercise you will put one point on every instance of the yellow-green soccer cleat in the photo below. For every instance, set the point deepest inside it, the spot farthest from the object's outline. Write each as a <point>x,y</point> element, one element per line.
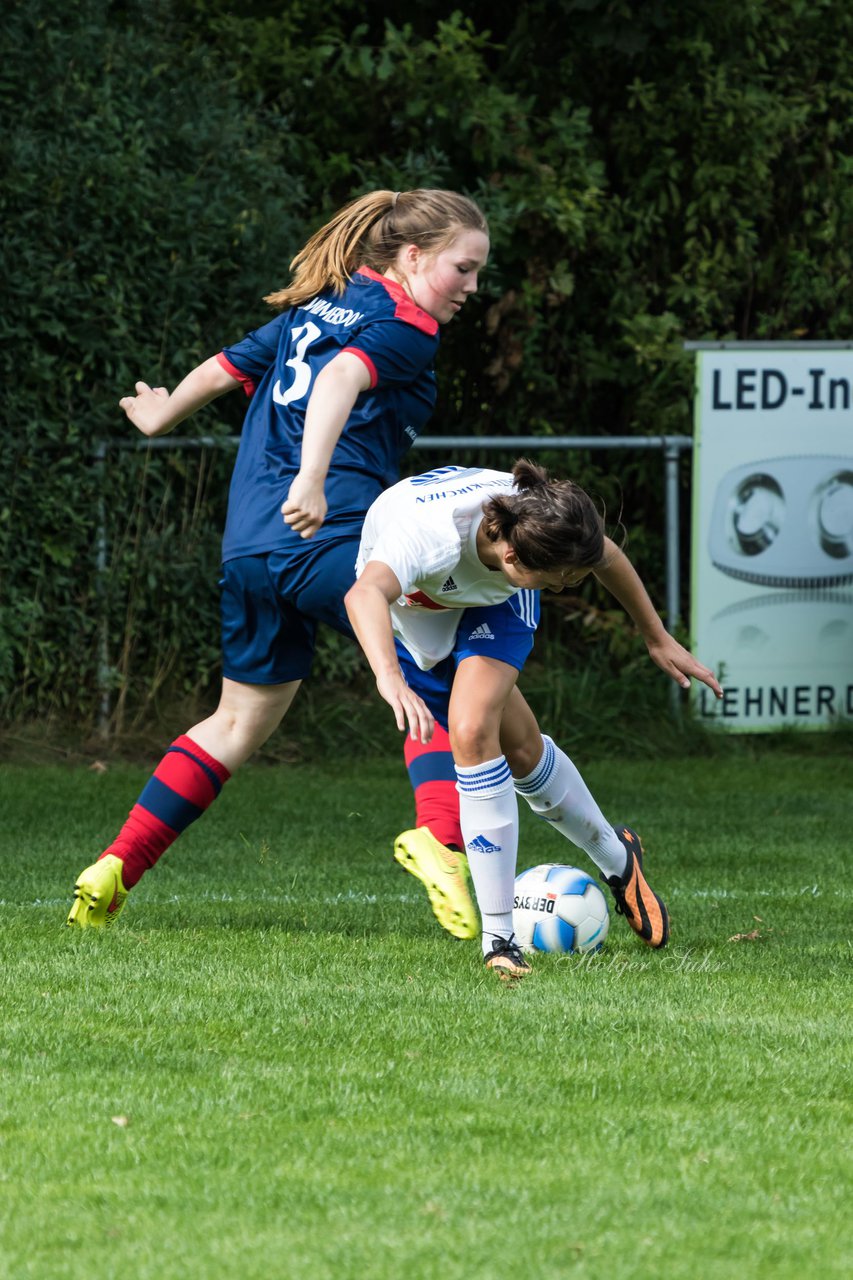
<point>444,873</point>
<point>99,895</point>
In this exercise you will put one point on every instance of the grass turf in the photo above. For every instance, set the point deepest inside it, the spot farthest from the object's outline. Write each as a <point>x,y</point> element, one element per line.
<point>276,1064</point>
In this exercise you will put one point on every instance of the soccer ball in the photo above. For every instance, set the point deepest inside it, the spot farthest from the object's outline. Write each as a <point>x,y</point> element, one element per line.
<point>559,909</point>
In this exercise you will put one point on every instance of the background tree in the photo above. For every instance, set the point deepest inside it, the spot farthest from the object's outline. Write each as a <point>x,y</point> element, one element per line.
<point>651,173</point>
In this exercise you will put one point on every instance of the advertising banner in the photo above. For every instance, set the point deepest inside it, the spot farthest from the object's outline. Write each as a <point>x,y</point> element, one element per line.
<point>772,562</point>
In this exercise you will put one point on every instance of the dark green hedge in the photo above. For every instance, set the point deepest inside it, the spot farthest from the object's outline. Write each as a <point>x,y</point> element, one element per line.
<point>652,172</point>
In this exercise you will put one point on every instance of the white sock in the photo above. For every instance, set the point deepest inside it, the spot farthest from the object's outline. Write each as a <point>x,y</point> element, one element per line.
<point>488,815</point>
<point>557,792</point>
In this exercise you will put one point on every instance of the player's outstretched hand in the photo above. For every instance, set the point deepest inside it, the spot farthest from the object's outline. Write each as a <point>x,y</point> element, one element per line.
<point>148,409</point>
<point>409,710</point>
<point>305,507</point>
<point>680,664</point>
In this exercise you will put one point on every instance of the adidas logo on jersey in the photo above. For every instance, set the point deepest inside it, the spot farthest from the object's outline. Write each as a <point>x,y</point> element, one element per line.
<point>482,632</point>
<point>449,585</point>
<point>481,845</point>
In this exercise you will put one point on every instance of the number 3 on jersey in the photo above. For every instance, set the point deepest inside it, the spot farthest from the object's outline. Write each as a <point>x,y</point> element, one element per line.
<point>303,335</point>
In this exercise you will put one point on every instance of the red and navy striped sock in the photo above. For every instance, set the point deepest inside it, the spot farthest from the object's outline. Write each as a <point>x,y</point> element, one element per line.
<point>186,781</point>
<point>433,778</point>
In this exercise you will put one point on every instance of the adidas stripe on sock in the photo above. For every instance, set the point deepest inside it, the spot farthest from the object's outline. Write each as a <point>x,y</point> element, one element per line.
<point>488,814</point>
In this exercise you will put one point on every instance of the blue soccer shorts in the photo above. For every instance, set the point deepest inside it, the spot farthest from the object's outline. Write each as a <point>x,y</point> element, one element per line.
<point>271,604</point>
<point>503,631</point>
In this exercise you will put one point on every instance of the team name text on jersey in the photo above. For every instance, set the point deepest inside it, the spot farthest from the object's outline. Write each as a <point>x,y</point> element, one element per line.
<point>331,314</point>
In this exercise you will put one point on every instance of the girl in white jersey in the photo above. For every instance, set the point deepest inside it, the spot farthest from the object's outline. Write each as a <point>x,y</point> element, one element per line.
<point>447,570</point>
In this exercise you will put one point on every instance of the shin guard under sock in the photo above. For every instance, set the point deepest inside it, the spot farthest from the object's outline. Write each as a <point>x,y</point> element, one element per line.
<point>186,781</point>
<point>488,811</point>
<point>433,779</point>
<point>557,792</point>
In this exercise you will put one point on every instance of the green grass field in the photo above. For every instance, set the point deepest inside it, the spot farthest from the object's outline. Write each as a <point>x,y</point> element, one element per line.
<point>276,1065</point>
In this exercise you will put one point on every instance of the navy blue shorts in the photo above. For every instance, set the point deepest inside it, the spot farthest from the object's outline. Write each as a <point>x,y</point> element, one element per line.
<point>504,631</point>
<point>271,604</point>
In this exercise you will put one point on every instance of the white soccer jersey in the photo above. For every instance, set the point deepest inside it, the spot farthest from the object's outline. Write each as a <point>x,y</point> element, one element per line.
<point>425,529</point>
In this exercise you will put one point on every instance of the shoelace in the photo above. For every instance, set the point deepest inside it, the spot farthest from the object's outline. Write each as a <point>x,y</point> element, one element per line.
<point>618,895</point>
<point>506,947</point>
<point>617,886</point>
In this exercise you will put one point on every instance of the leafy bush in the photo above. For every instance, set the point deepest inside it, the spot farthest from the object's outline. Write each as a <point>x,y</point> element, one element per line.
<point>651,173</point>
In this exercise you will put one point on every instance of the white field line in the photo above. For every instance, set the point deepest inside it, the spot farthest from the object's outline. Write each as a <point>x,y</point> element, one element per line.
<point>370,899</point>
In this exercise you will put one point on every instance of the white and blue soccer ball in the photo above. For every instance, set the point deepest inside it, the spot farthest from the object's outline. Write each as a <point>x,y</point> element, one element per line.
<point>559,909</point>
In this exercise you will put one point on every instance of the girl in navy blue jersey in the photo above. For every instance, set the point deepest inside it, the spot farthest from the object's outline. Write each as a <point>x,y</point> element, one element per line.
<point>340,383</point>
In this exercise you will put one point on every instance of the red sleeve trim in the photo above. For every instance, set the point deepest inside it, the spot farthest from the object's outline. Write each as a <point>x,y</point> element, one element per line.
<point>247,380</point>
<point>365,360</point>
<point>405,309</point>
<point>418,597</point>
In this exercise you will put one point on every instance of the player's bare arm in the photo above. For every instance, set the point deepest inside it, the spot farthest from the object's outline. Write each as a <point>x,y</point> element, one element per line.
<point>336,389</point>
<point>155,412</point>
<point>368,604</point>
<point>621,579</point>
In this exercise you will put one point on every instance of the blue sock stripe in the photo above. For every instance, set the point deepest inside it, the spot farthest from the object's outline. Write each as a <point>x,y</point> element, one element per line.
<point>216,781</point>
<point>542,773</point>
<point>477,773</point>
<point>435,766</point>
<point>167,805</point>
<point>492,779</point>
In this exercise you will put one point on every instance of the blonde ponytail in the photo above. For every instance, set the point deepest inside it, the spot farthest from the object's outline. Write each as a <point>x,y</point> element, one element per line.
<point>370,231</point>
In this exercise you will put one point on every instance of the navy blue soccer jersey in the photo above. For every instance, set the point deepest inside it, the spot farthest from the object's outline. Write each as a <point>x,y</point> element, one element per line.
<point>373,319</point>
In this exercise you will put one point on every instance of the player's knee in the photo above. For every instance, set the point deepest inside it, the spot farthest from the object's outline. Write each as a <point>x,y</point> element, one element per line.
<point>472,742</point>
<point>250,715</point>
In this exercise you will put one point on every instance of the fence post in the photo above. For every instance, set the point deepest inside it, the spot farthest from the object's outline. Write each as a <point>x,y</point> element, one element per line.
<point>671,456</point>
<point>103,676</point>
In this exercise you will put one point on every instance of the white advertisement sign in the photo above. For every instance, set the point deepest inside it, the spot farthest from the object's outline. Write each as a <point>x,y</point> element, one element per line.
<point>772,565</point>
